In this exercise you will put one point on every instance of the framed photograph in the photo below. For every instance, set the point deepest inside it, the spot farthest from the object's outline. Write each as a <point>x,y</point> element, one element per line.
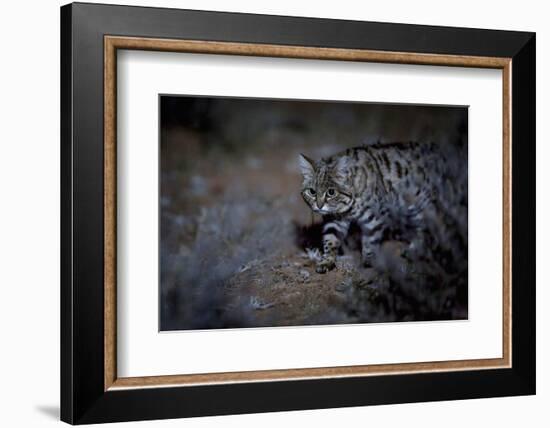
<point>266,213</point>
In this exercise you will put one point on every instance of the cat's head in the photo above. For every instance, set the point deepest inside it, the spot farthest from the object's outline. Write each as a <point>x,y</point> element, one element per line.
<point>326,185</point>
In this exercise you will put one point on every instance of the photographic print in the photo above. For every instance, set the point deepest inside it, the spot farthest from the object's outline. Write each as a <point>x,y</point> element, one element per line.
<point>296,213</point>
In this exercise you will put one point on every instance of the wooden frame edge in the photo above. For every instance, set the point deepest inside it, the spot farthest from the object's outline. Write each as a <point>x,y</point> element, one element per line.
<point>507,213</point>
<point>301,52</point>
<point>112,43</point>
<point>301,374</point>
<point>109,198</point>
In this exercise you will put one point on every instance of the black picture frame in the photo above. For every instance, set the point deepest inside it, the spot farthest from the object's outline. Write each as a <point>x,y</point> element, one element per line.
<point>83,396</point>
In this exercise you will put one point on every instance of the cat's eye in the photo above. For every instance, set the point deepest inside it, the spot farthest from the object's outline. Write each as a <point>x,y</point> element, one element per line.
<point>311,192</point>
<point>331,192</point>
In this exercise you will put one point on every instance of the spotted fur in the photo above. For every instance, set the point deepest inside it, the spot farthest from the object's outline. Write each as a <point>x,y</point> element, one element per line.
<point>389,191</point>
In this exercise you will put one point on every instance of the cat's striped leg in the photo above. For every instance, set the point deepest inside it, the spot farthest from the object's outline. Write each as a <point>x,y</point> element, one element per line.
<point>334,233</point>
<point>372,232</point>
<point>416,214</point>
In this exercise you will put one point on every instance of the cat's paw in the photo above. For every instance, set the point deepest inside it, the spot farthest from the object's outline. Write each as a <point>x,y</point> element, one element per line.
<point>367,257</point>
<point>367,260</point>
<point>367,263</point>
<point>321,269</point>
<point>324,266</point>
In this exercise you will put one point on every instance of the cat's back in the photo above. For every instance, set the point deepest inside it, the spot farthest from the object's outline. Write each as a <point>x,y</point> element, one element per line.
<point>394,160</point>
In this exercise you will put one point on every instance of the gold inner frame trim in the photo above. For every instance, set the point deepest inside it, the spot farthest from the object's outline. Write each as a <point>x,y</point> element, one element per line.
<point>113,43</point>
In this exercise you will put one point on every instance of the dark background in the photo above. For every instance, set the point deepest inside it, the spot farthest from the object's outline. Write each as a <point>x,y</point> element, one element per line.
<point>237,241</point>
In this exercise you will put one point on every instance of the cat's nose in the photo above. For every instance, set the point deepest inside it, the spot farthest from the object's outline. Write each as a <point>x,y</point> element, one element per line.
<point>319,203</point>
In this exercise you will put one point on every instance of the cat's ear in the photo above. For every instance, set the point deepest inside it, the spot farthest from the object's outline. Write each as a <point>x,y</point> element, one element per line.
<point>306,167</point>
<point>341,169</point>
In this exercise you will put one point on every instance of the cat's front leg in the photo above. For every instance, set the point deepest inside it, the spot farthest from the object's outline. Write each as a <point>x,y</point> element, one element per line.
<point>372,226</point>
<point>334,233</point>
